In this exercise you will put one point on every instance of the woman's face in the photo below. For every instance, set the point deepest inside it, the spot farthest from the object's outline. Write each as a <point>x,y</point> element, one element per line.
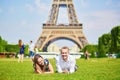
<point>40,61</point>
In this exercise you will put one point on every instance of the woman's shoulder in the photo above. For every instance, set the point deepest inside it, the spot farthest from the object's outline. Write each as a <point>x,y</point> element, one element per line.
<point>23,46</point>
<point>46,61</point>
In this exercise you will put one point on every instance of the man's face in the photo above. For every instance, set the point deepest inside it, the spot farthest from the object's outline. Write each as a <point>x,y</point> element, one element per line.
<point>64,53</point>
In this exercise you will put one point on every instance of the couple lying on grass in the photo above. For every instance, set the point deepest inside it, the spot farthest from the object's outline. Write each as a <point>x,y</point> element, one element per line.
<point>65,63</point>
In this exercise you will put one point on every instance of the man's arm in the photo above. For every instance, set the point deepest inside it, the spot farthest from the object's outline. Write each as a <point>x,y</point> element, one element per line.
<point>59,69</point>
<point>72,65</point>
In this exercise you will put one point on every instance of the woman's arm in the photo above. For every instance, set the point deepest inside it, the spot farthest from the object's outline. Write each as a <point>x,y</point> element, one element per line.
<point>50,69</point>
<point>37,69</point>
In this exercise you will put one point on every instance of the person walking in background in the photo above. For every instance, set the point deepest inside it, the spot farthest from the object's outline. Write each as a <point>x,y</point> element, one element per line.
<point>86,55</point>
<point>22,50</point>
<point>31,49</point>
<point>42,65</point>
<point>65,63</point>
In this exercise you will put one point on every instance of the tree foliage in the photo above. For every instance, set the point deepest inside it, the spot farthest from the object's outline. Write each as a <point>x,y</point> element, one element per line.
<point>5,47</point>
<point>115,43</point>
<point>104,45</point>
<point>2,43</point>
<point>110,43</point>
<point>15,48</point>
<point>92,49</point>
<point>12,48</point>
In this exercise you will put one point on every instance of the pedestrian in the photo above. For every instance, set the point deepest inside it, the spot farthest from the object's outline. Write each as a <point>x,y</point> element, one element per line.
<point>31,49</point>
<point>86,55</point>
<point>22,50</point>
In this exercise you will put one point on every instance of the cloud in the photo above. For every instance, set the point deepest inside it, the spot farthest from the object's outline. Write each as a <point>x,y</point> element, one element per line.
<point>104,18</point>
<point>83,3</point>
<point>118,4</point>
<point>41,7</point>
<point>37,2</point>
<point>24,23</point>
<point>30,8</point>
<point>12,10</point>
<point>108,2</point>
<point>37,6</point>
<point>1,10</point>
<point>97,23</point>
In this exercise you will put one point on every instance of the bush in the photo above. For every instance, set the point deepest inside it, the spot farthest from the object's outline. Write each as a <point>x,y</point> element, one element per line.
<point>1,49</point>
<point>12,48</point>
<point>15,48</point>
<point>118,55</point>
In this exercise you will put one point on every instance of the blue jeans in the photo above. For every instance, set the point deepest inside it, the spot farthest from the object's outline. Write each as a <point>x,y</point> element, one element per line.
<point>31,53</point>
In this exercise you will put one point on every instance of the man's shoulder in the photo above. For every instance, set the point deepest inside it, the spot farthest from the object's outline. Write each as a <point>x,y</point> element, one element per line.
<point>71,57</point>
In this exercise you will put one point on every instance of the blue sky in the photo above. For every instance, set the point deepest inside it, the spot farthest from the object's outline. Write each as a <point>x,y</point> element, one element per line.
<point>23,19</point>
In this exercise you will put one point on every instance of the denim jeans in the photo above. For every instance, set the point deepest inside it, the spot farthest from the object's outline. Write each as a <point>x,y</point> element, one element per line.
<point>31,53</point>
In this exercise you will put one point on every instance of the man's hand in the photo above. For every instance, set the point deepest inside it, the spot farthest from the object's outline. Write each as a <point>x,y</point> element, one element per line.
<point>65,71</point>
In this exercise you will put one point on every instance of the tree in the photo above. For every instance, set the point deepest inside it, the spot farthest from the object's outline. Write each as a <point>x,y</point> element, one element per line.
<point>115,44</point>
<point>92,49</point>
<point>0,40</point>
<point>2,43</point>
<point>104,45</point>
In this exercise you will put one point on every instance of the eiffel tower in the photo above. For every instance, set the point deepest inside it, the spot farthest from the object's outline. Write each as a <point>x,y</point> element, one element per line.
<point>52,31</point>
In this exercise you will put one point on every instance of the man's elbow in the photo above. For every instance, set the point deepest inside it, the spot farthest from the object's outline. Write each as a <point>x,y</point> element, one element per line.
<point>72,71</point>
<point>59,71</point>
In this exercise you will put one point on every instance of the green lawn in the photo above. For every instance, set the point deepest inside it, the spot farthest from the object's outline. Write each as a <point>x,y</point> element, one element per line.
<point>93,69</point>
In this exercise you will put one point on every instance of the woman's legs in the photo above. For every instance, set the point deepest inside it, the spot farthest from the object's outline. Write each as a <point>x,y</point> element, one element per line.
<point>18,57</point>
<point>21,57</point>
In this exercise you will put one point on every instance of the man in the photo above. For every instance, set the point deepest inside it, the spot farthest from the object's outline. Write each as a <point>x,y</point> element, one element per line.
<point>31,49</point>
<point>65,63</point>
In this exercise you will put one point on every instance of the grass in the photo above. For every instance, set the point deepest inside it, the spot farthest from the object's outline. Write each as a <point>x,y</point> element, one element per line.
<point>92,69</point>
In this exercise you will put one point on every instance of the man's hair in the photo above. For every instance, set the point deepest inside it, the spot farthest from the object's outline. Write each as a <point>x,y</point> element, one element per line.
<point>65,47</point>
<point>31,41</point>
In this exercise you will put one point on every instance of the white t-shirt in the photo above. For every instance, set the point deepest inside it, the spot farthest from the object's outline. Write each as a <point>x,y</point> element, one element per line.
<point>31,47</point>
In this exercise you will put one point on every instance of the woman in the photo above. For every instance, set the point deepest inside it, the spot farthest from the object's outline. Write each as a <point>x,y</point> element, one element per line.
<point>42,65</point>
<point>22,49</point>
